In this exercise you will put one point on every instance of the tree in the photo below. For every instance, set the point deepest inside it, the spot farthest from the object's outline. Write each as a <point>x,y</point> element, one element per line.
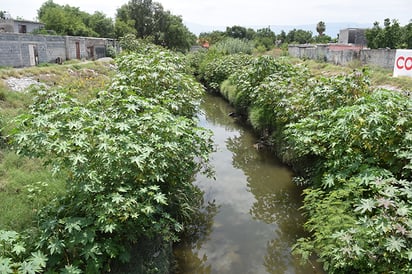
<point>55,19</point>
<point>392,35</point>
<point>323,39</point>
<point>374,36</point>
<point>250,34</point>
<point>236,32</point>
<point>68,20</point>
<point>299,36</point>
<point>176,36</point>
<point>151,22</point>
<point>124,24</point>
<point>265,37</point>
<point>320,28</point>
<point>407,33</point>
<point>46,6</point>
<point>101,24</point>
<point>212,37</point>
<point>282,36</point>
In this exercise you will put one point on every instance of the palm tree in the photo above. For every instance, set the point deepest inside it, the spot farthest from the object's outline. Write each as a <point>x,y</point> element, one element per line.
<point>320,28</point>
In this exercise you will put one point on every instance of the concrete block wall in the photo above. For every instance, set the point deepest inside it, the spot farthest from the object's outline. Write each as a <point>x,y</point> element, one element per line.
<point>55,47</point>
<point>10,51</point>
<point>315,52</point>
<point>343,55</point>
<point>384,58</point>
<point>15,48</point>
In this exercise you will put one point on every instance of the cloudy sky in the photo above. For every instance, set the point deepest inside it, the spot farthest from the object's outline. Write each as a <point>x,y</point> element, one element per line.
<point>245,12</point>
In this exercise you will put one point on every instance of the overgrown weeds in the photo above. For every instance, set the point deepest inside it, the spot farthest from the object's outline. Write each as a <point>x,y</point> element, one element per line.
<point>25,184</point>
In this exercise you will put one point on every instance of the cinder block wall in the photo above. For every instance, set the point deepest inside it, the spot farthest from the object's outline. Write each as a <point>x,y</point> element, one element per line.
<point>384,58</point>
<point>377,57</point>
<point>10,50</point>
<point>14,48</point>
<point>55,47</point>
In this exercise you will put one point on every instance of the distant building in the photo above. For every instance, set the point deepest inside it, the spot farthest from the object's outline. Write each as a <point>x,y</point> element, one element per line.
<point>352,36</point>
<point>25,49</point>
<point>19,26</point>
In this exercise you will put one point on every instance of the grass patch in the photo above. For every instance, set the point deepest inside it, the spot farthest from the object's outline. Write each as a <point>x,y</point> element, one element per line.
<point>25,187</point>
<point>11,104</point>
<point>228,91</point>
<point>323,68</point>
<point>379,77</point>
<point>383,77</point>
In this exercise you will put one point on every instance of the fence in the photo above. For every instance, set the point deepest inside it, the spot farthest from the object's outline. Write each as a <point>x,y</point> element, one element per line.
<point>22,50</point>
<point>344,54</point>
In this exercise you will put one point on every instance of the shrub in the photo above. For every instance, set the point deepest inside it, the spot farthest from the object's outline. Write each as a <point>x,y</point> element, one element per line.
<point>131,154</point>
<point>350,136</point>
<point>213,72</point>
<point>228,90</point>
<point>111,51</point>
<point>357,146</point>
<point>15,256</point>
<point>162,77</point>
<point>361,227</point>
<point>233,46</point>
<point>250,77</point>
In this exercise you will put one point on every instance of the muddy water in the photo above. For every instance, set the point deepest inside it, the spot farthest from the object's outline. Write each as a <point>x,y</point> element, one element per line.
<point>253,218</point>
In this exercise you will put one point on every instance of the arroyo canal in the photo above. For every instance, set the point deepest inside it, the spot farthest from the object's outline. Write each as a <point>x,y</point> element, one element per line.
<point>254,218</point>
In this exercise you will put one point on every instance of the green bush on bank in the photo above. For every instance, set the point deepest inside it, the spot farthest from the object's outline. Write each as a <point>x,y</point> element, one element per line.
<point>212,72</point>
<point>362,226</point>
<point>130,155</point>
<point>234,46</point>
<point>216,64</point>
<point>359,144</point>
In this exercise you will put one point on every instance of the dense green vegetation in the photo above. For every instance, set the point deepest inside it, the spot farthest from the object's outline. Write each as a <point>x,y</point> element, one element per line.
<point>25,185</point>
<point>263,39</point>
<point>392,35</point>
<point>351,146</point>
<point>143,18</point>
<point>148,20</point>
<point>67,20</point>
<point>123,150</point>
<point>126,156</point>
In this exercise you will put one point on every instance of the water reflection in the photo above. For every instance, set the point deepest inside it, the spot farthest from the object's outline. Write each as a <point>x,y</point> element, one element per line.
<point>255,219</point>
<point>187,250</point>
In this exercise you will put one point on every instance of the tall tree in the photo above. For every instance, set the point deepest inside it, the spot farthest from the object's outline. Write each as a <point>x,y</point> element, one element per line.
<point>101,24</point>
<point>282,37</point>
<point>124,23</point>
<point>321,27</point>
<point>407,33</point>
<point>236,32</point>
<point>68,20</point>
<point>265,37</point>
<point>392,35</point>
<point>176,36</point>
<point>212,37</point>
<point>151,22</point>
<point>299,36</point>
